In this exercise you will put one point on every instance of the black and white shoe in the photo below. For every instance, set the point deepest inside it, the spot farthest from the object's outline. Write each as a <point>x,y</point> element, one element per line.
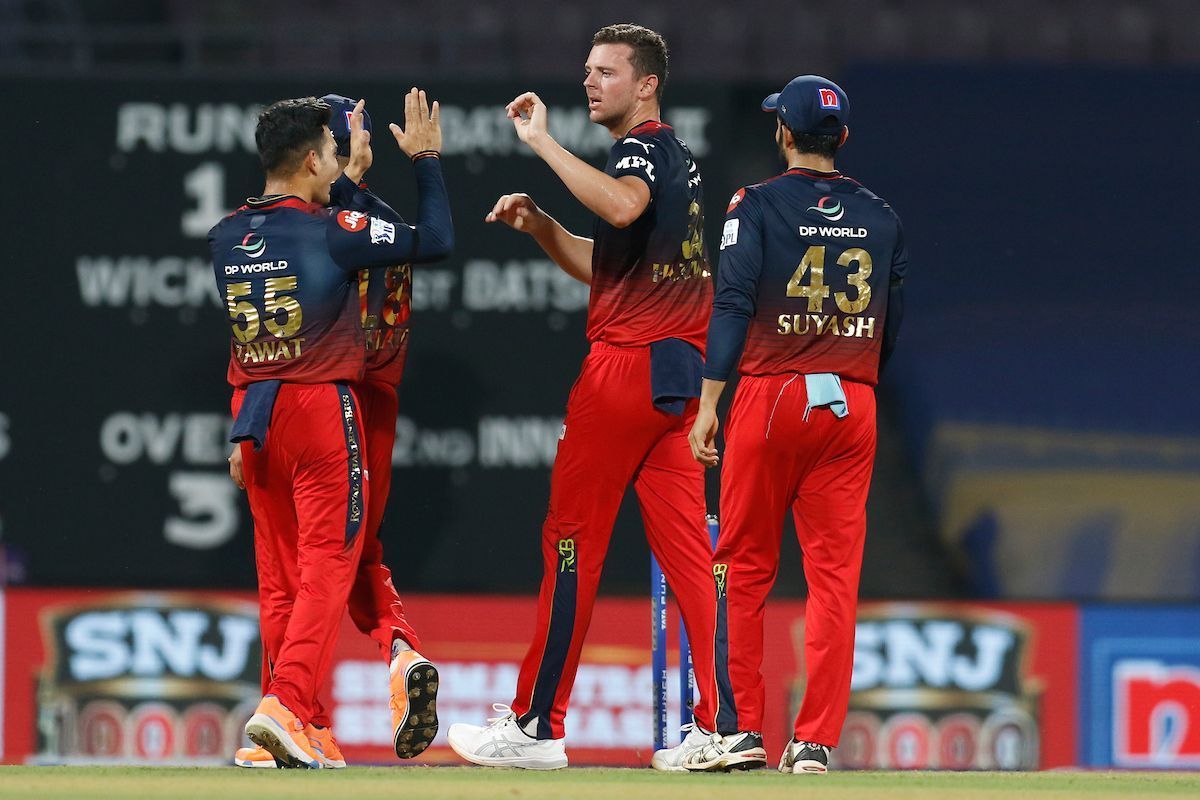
<point>741,750</point>
<point>805,758</point>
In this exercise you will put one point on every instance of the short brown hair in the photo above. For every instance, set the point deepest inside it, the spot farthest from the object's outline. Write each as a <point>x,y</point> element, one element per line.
<point>649,50</point>
<point>287,130</point>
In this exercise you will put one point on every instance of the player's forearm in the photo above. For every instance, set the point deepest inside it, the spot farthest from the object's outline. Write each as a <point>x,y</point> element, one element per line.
<point>605,196</point>
<point>572,253</point>
<point>891,325</point>
<point>727,329</point>
<point>435,226</point>
<point>710,393</point>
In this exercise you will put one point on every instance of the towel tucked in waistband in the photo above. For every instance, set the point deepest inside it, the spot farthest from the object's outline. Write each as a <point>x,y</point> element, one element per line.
<point>825,390</point>
<point>255,414</point>
<point>675,372</point>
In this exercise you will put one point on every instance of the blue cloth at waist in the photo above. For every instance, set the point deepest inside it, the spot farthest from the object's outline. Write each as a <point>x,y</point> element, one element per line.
<point>675,368</point>
<point>255,414</point>
<point>825,390</point>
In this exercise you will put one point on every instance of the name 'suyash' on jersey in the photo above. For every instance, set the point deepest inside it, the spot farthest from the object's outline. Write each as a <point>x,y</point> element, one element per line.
<point>729,235</point>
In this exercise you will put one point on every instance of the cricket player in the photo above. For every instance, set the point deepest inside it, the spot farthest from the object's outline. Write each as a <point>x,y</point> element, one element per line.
<point>809,296</point>
<point>629,411</point>
<point>288,268</point>
<point>375,607</point>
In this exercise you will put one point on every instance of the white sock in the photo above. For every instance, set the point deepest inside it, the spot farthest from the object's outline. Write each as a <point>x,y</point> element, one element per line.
<point>398,647</point>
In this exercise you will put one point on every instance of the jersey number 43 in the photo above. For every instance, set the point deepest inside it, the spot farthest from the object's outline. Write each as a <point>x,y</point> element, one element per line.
<point>813,264</point>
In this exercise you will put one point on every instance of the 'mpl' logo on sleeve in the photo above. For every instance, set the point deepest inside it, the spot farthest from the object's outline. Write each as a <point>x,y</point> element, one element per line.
<point>937,687</point>
<point>1156,713</point>
<point>152,678</point>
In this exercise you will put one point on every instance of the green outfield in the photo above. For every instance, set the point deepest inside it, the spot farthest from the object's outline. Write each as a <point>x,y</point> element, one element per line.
<point>421,783</point>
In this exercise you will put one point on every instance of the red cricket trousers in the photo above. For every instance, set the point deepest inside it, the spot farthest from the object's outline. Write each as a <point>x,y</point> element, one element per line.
<point>308,495</point>
<point>613,434</point>
<point>375,606</point>
<point>822,469</point>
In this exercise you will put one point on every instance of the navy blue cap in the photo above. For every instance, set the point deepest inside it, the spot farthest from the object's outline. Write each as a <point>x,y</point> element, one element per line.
<point>807,102</point>
<point>339,121</point>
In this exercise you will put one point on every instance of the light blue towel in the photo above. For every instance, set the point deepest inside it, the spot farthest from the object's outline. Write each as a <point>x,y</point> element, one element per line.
<point>825,389</point>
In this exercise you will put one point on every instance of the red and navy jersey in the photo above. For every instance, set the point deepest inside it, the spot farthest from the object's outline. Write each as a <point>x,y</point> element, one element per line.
<point>384,304</point>
<point>651,280</point>
<point>288,271</point>
<point>811,265</point>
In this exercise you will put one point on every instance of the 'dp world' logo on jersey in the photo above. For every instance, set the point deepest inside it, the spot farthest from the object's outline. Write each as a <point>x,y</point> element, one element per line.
<point>253,245</point>
<point>829,208</point>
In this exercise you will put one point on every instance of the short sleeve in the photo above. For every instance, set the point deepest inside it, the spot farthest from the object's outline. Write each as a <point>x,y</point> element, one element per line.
<point>639,156</point>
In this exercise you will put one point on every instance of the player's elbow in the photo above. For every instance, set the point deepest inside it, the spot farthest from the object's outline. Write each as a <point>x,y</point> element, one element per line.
<point>445,244</point>
<point>436,244</point>
<point>625,206</point>
<point>622,215</point>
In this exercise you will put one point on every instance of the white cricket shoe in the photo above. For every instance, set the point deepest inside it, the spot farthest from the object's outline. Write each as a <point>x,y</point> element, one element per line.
<point>742,750</point>
<point>804,758</point>
<point>671,759</point>
<point>502,743</point>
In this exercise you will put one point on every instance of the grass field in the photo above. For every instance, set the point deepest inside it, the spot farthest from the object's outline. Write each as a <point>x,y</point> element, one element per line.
<point>420,783</point>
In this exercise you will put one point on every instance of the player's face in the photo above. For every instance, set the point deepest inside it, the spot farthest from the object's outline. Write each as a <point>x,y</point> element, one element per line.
<point>610,83</point>
<point>327,168</point>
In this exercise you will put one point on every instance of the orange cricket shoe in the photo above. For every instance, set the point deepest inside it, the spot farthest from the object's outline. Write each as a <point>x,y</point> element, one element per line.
<point>321,740</point>
<point>414,703</point>
<point>278,731</point>
<point>326,746</point>
<point>254,758</point>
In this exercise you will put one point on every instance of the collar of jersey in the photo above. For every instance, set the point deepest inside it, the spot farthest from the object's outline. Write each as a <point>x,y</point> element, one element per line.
<point>812,173</point>
<point>278,201</point>
<point>646,122</point>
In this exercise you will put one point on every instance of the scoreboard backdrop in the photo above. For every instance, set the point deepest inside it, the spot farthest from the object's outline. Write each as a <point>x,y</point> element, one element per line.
<point>114,412</point>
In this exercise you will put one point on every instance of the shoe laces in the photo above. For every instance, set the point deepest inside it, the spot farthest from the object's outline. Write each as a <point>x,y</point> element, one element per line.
<point>695,733</point>
<point>812,746</point>
<point>506,713</point>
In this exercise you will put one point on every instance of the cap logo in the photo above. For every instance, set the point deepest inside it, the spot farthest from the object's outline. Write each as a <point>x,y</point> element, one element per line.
<point>348,115</point>
<point>828,207</point>
<point>829,99</point>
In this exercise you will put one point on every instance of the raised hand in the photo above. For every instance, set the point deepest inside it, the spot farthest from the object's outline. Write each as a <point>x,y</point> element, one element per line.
<point>529,115</point>
<point>518,211</point>
<point>422,130</point>
<point>360,145</point>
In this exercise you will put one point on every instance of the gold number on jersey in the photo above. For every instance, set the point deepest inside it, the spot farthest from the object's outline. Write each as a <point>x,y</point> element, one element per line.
<point>858,279</point>
<point>396,280</point>
<point>243,309</point>
<point>292,314</point>
<point>273,303</point>
<point>816,291</point>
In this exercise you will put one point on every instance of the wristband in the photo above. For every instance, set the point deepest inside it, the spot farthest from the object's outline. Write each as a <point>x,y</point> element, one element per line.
<point>425,154</point>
